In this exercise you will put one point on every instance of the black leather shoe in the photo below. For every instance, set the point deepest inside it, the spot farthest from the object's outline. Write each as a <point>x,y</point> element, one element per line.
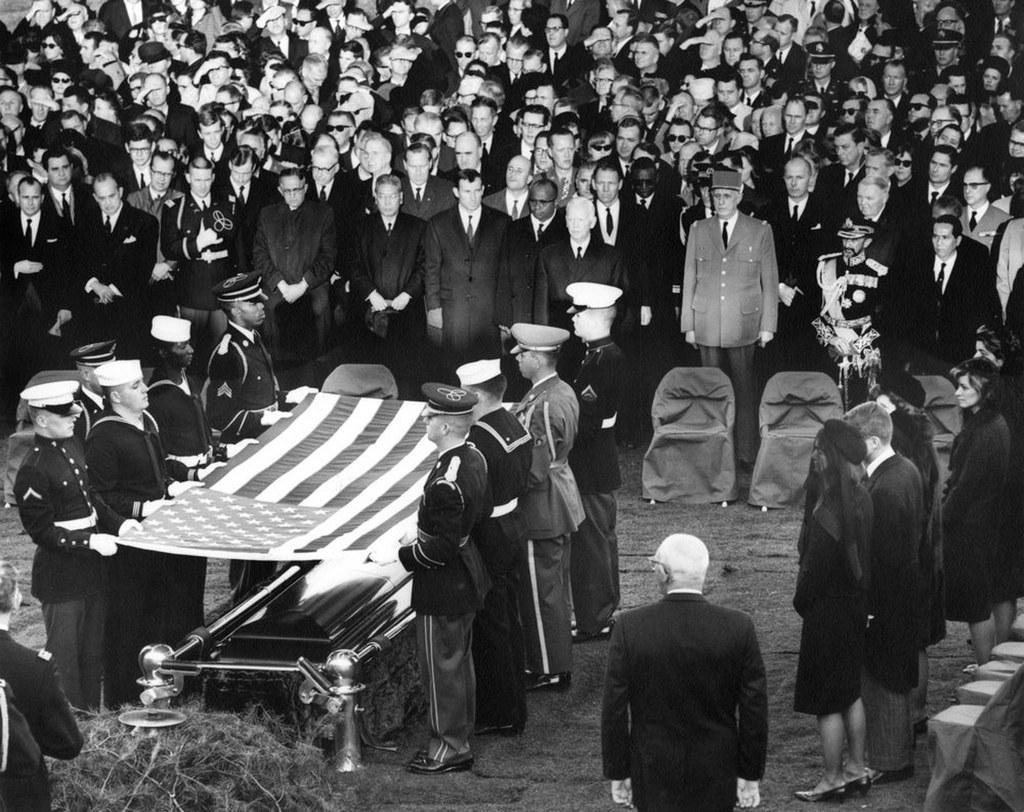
<point>810,796</point>
<point>878,777</point>
<point>548,682</point>
<point>430,766</point>
<point>497,730</point>
<point>603,634</point>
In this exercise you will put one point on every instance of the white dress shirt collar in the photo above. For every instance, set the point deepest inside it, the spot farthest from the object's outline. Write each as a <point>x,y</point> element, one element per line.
<point>872,466</point>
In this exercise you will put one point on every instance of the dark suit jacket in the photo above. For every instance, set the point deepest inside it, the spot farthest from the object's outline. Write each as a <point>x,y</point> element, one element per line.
<point>389,265</point>
<point>437,197</point>
<point>446,28</point>
<point>52,246</point>
<point>124,258</point>
<point>81,202</point>
<point>791,73</point>
<point>663,255</point>
<point>798,244</point>
<point>292,246</point>
<point>558,267</point>
<point>182,125</point>
<point>114,16</point>
<point>842,198</point>
<point>685,708</point>
<point>571,65</point>
<point>516,300</point>
<point>583,16</point>
<point>462,279</point>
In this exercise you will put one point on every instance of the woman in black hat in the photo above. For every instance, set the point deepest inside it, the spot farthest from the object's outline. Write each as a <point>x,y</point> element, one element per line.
<point>830,596</point>
<point>971,504</point>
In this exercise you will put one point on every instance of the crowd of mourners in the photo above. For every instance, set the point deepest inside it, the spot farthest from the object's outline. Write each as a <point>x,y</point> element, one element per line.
<point>247,194</point>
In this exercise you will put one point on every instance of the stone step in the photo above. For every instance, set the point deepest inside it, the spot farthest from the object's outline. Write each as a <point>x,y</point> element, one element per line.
<point>977,693</point>
<point>1011,650</point>
<point>999,670</point>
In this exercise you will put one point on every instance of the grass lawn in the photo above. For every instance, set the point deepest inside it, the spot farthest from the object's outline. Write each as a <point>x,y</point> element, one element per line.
<point>556,764</point>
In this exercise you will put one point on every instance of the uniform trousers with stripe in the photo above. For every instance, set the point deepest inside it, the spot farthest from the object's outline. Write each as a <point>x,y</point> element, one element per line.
<point>544,589</point>
<point>74,635</point>
<point>595,564</point>
<point>444,645</point>
<point>890,728</point>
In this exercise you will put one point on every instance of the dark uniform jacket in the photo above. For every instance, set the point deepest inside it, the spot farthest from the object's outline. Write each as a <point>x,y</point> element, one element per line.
<point>241,386</point>
<point>91,412</point>
<point>455,497</point>
<point>198,271</point>
<point>20,758</point>
<point>126,463</point>
<point>41,700</point>
<point>685,708</point>
<point>598,386</point>
<point>59,511</point>
<point>507,449</point>
<point>184,429</point>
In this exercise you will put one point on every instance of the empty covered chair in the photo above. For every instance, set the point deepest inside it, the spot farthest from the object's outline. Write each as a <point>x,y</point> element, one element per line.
<point>361,381</point>
<point>794,407</point>
<point>690,458</point>
<point>941,408</point>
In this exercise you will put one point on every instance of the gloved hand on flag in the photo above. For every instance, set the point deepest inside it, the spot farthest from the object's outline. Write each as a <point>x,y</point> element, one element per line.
<point>269,418</point>
<point>129,526</point>
<point>103,543</point>
<point>231,449</point>
<point>384,552</point>
<point>299,394</point>
<point>152,506</point>
<point>203,473</point>
<point>176,489</point>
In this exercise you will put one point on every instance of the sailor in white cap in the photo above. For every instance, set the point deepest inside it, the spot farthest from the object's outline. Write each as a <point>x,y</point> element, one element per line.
<point>72,528</point>
<point>594,459</point>
<point>551,506</point>
<point>126,463</point>
<point>498,653</point>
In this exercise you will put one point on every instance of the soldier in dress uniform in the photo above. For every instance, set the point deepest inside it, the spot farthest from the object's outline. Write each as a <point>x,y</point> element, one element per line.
<point>127,468</point>
<point>850,283</point>
<point>242,395</point>
<point>32,677</point>
<point>498,652</point>
<point>551,506</point>
<point>72,529</point>
<point>449,579</point>
<point>20,757</point>
<point>87,358</point>
<point>594,460</point>
<point>202,234</point>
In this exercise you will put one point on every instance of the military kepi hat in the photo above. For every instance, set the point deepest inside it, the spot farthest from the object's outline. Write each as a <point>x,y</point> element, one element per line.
<point>443,398</point>
<point>477,372</point>
<point>56,396</point>
<point>92,355</point>
<point>727,179</point>
<point>538,337</point>
<point>592,296</point>
<point>243,287</point>
<point>820,52</point>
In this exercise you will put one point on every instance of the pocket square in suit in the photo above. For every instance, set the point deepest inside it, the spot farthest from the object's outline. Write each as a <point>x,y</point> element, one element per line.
<point>130,239</point>
<point>816,227</point>
<point>51,240</point>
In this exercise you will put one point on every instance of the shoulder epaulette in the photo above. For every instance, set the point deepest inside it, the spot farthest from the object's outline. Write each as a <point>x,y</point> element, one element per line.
<point>44,655</point>
<point>452,472</point>
<point>222,348</point>
<point>823,257</point>
<point>877,266</point>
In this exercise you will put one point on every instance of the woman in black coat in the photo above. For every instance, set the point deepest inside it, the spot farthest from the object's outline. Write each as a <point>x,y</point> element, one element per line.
<point>831,597</point>
<point>971,503</point>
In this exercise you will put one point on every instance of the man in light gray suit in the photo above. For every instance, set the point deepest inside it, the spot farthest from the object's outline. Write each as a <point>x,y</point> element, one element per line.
<point>513,199</point>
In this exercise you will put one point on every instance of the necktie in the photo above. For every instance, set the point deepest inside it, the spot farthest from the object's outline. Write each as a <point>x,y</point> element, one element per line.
<point>849,177</point>
<point>941,280</point>
<point>142,181</point>
<point>28,232</point>
<point>725,235</point>
<point>64,205</point>
<point>789,145</point>
<point>796,213</point>
<point>323,194</point>
<point>515,209</point>
<point>609,224</point>
<point>579,252</point>
<point>540,231</point>
<point>931,200</point>
<point>110,228</point>
<point>469,229</point>
<point>242,196</point>
<point>974,220</point>
<point>418,194</point>
<point>387,226</point>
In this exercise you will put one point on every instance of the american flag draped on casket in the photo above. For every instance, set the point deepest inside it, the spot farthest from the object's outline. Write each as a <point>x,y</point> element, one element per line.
<point>337,476</point>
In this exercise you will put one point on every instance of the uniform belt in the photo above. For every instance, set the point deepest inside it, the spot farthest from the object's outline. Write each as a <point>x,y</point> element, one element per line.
<point>609,422</point>
<point>505,509</point>
<point>851,323</point>
<point>190,461</point>
<point>85,523</point>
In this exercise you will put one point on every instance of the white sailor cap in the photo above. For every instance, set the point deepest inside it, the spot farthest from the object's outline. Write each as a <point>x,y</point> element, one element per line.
<point>170,329</point>
<point>117,373</point>
<point>477,372</point>
<point>56,396</point>
<point>271,13</point>
<point>592,296</point>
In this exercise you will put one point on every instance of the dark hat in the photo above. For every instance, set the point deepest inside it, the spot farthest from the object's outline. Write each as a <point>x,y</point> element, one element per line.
<point>63,66</point>
<point>945,38</point>
<point>537,337</point>
<point>727,179</point>
<point>152,52</point>
<point>845,439</point>
<point>996,63</point>
<point>92,355</point>
<point>243,287</point>
<point>443,398</point>
<point>903,385</point>
<point>820,52</point>
<point>854,231</point>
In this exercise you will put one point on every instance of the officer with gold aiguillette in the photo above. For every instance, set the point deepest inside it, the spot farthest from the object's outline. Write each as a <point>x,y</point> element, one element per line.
<point>449,579</point>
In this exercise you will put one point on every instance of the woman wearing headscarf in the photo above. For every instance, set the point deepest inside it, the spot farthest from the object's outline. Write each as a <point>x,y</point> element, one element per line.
<point>971,504</point>
<point>831,597</point>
